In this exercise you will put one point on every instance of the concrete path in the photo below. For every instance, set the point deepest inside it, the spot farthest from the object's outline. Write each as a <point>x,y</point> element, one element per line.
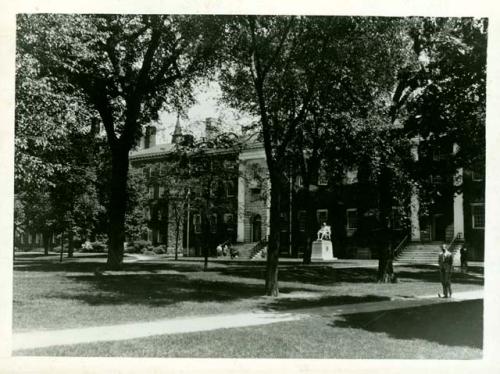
<point>47,338</point>
<point>39,339</point>
<point>393,304</point>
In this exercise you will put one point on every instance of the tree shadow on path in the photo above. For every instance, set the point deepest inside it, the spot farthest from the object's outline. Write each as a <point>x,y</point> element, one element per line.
<point>451,324</point>
<point>296,304</point>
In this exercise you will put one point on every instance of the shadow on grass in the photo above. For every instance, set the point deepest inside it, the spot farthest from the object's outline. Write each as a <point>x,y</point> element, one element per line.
<point>327,301</point>
<point>159,290</point>
<point>90,265</point>
<point>327,275</point>
<point>318,275</point>
<point>307,274</point>
<point>451,324</point>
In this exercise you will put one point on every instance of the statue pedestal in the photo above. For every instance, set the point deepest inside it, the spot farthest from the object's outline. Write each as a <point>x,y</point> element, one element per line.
<point>322,250</point>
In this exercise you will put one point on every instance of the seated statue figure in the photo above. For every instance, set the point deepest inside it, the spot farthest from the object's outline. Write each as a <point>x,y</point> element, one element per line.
<point>325,232</point>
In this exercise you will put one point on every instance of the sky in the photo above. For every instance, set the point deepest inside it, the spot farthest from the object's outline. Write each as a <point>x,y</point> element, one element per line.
<point>207,97</point>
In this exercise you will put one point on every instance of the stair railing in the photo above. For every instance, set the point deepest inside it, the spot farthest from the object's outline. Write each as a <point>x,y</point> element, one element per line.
<point>452,243</point>
<point>400,247</point>
<point>261,244</point>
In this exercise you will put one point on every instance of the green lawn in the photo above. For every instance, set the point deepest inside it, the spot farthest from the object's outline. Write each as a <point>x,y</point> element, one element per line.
<point>50,295</point>
<point>53,295</point>
<point>441,331</point>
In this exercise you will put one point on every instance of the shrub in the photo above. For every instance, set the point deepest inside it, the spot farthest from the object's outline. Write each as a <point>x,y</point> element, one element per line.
<point>99,247</point>
<point>159,250</point>
<point>137,246</point>
<point>93,247</point>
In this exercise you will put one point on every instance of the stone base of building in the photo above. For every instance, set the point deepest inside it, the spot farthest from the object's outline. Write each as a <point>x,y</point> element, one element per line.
<point>322,250</point>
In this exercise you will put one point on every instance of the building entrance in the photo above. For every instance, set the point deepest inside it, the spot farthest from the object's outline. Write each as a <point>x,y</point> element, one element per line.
<point>256,228</point>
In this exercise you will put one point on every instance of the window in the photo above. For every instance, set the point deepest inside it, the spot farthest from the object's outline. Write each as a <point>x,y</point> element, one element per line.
<point>436,179</point>
<point>214,189</point>
<point>147,172</point>
<point>230,189</point>
<point>439,155</point>
<point>352,219</point>
<point>322,215</point>
<point>147,213</point>
<point>300,181</point>
<point>322,177</point>
<point>301,218</point>
<point>228,218</point>
<point>228,165</point>
<point>151,192</point>
<point>477,175</point>
<point>161,191</point>
<point>284,222</point>
<point>213,223</point>
<point>159,214</point>
<point>197,223</point>
<point>351,176</point>
<point>477,216</point>
<point>396,218</point>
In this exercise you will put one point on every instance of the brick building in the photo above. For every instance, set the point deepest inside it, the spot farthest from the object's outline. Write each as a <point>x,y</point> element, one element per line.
<point>241,214</point>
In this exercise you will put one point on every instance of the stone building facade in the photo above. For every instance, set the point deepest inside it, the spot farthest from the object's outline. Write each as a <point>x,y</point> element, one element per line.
<point>242,214</point>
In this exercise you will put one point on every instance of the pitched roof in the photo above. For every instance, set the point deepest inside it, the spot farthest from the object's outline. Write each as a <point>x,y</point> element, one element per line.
<point>157,150</point>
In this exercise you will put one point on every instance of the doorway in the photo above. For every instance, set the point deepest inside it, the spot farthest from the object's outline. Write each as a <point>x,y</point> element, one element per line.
<point>256,228</point>
<point>438,227</point>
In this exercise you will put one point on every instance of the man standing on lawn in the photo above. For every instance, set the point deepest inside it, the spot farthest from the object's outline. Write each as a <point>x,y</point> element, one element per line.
<point>445,261</point>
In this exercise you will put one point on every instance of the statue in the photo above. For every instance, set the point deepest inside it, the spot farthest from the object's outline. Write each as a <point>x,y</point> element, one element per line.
<point>325,232</point>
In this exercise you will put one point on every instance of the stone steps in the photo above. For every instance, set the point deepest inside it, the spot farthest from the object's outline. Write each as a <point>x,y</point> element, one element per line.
<point>421,253</point>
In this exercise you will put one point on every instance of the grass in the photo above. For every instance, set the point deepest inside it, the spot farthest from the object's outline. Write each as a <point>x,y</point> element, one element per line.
<point>53,295</point>
<point>441,331</point>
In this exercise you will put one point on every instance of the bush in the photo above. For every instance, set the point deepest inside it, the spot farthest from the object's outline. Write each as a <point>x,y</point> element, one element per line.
<point>139,246</point>
<point>99,247</point>
<point>94,247</point>
<point>160,250</point>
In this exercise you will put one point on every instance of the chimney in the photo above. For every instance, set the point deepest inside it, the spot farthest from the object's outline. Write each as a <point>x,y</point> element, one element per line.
<point>210,128</point>
<point>149,137</point>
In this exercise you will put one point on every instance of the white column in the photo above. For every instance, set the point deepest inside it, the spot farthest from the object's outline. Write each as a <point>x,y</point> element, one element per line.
<point>414,217</point>
<point>414,200</point>
<point>458,202</point>
<point>240,232</point>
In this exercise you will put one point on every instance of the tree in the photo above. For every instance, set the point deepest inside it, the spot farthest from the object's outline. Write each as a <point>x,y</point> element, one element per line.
<point>204,170</point>
<point>127,68</point>
<point>439,98</point>
<point>284,70</point>
<point>136,219</point>
<point>53,147</point>
<point>351,97</point>
<point>442,99</point>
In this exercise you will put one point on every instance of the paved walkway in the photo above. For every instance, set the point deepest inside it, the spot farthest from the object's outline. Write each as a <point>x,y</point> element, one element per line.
<point>47,338</point>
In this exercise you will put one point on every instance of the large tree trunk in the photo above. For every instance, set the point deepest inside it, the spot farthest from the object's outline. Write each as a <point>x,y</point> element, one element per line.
<point>70,244</point>
<point>385,266</point>
<point>46,236</point>
<point>177,229</point>
<point>310,229</point>
<point>272,288</point>
<point>117,206</point>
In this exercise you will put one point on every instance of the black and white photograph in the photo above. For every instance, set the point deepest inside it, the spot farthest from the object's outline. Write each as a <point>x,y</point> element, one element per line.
<point>249,186</point>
